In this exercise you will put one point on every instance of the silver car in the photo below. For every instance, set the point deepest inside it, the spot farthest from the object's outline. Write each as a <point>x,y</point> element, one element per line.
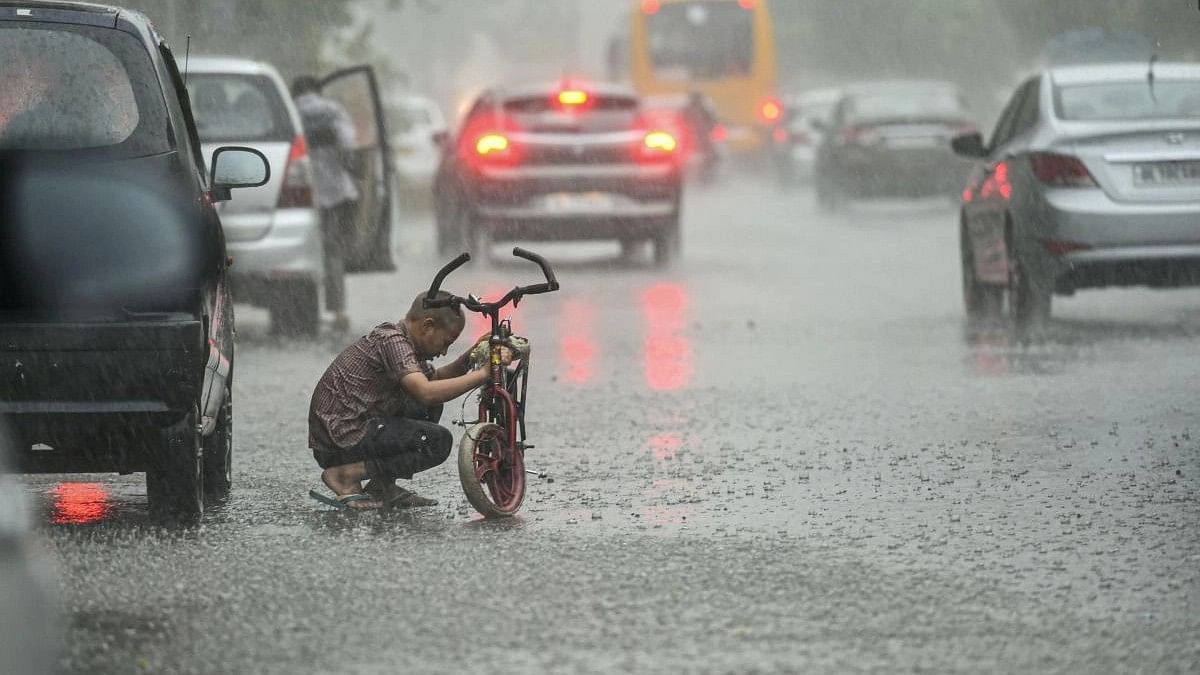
<point>272,232</point>
<point>1091,179</point>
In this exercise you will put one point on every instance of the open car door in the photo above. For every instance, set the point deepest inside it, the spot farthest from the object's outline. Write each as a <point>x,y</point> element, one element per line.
<point>368,245</point>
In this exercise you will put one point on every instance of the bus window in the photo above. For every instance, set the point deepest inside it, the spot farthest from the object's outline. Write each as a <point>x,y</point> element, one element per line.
<point>702,40</point>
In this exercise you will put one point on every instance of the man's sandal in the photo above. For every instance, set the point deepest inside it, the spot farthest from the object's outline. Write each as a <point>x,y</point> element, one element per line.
<point>342,502</point>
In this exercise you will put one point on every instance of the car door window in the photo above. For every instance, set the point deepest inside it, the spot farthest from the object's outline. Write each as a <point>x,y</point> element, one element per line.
<point>1027,115</point>
<point>1004,125</point>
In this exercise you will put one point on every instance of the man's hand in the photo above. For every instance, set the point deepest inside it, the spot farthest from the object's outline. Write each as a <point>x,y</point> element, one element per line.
<point>506,357</point>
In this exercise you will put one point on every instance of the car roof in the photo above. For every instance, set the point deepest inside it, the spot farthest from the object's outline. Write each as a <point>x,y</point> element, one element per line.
<point>884,86</point>
<point>549,88</point>
<point>229,64</point>
<point>80,13</point>
<point>1123,72</point>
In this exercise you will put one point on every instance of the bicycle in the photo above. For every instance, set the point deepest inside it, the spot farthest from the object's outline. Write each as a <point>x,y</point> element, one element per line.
<point>491,454</point>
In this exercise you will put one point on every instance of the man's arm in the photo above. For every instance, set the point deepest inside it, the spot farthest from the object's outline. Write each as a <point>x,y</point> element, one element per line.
<point>432,392</point>
<point>455,368</point>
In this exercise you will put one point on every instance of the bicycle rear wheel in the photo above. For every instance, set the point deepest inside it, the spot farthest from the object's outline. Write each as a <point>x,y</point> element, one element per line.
<point>491,471</point>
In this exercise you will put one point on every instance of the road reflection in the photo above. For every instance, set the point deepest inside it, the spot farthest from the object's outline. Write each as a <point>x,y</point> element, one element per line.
<point>577,347</point>
<point>79,503</point>
<point>667,351</point>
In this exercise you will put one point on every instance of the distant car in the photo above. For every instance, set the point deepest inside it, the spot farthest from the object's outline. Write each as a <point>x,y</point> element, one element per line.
<point>795,140</point>
<point>116,325</point>
<point>415,123</point>
<point>890,139</point>
<point>559,162</point>
<point>273,232</point>
<point>1091,178</point>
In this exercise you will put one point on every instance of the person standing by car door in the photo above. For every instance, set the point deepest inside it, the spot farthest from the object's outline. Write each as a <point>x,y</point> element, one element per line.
<point>330,134</point>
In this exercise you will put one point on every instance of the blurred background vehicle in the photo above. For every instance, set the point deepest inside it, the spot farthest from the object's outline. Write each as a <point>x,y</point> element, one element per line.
<point>559,162</point>
<point>273,232</point>
<point>692,119</point>
<point>1091,178</point>
<point>723,48</point>
<point>415,123</point>
<point>794,141</point>
<point>891,139</point>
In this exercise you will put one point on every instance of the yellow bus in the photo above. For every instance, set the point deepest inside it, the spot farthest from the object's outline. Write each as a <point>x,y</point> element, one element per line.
<point>723,48</point>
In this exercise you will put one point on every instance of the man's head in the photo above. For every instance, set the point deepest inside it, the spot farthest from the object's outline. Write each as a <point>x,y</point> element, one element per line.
<point>305,84</point>
<point>433,330</point>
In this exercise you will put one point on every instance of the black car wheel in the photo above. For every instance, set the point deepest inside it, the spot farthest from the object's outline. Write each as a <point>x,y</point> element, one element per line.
<point>295,308</point>
<point>218,454</point>
<point>175,476</point>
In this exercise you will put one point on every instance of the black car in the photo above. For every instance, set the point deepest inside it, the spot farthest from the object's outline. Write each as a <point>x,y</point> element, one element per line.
<point>892,139</point>
<point>559,162</point>
<point>116,327</point>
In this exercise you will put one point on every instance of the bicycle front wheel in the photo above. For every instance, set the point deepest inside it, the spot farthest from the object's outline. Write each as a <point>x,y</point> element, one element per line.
<point>491,471</point>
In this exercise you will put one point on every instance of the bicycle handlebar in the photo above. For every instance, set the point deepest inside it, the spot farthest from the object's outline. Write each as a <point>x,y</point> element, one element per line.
<point>432,302</point>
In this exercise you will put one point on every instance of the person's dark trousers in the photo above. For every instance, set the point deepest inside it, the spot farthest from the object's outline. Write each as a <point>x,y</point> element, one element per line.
<point>397,447</point>
<point>337,223</point>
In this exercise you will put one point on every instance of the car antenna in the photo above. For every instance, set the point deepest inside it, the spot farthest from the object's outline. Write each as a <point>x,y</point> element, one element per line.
<point>187,57</point>
<point>1150,77</point>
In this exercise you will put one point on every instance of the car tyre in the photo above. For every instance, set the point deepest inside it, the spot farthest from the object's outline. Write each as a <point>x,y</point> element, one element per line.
<point>218,454</point>
<point>175,476</point>
<point>1028,303</point>
<point>980,300</point>
<point>296,308</point>
<point>667,243</point>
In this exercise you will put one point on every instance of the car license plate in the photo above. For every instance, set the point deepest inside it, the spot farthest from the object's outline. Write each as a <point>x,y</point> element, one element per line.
<point>575,202</point>
<point>1166,173</point>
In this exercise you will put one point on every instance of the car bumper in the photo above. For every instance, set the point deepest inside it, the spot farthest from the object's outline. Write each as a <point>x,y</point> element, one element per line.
<point>901,172</point>
<point>1086,240</point>
<point>290,250</point>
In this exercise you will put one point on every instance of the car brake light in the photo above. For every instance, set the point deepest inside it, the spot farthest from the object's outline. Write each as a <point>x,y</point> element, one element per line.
<point>572,97</point>
<point>720,133</point>
<point>660,142</point>
<point>779,135</point>
<point>747,4</point>
<point>770,110</point>
<point>1060,170</point>
<point>297,178</point>
<point>651,7</point>
<point>491,144</point>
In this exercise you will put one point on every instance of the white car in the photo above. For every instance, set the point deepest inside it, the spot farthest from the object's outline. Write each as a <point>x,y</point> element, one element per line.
<point>272,232</point>
<point>414,122</point>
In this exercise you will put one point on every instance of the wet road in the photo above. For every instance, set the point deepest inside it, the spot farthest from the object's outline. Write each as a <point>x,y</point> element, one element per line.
<point>785,454</point>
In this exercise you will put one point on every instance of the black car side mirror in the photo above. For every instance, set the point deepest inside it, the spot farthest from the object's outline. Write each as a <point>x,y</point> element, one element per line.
<point>969,145</point>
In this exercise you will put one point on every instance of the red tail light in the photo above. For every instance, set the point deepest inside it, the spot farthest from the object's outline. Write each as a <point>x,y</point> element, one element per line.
<point>573,98</point>
<point>651,7</point>
<point>779,135</point>
<point>297,192</point>
<point>491,145</point>
<point>720,134</point>
<point>770,110</point>
<point>1060,170</point>
<point>747,4</point>
<point>658,144</point>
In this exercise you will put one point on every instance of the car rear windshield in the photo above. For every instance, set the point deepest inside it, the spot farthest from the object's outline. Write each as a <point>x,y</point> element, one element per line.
<point>915,104</point>
<point>67,88</point>
<point>600,114</point>
<point>706,40</point>
<point>1169,99</point>
<point>238,108</point>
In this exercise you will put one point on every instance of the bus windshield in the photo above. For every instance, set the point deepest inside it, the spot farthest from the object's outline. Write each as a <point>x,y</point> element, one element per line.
<point>703,40</point>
